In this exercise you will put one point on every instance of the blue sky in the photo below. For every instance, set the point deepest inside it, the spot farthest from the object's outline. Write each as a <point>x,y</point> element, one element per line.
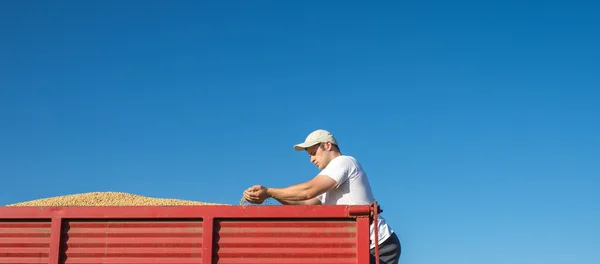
<point>476,122</point>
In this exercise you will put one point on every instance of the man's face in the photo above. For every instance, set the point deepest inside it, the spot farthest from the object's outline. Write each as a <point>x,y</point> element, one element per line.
<point>319,155</point>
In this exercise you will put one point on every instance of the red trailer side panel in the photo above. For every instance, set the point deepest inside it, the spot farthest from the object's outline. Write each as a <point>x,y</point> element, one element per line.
<point>24,242</point>
<point>185,235</point>
<point>131,241</point>
<point>279,241</point>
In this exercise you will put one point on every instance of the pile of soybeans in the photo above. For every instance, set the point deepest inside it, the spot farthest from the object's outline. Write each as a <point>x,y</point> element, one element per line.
<point>107,199</point>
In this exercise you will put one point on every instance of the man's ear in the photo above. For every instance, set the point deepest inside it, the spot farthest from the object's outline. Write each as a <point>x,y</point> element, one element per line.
<point>329,146</point>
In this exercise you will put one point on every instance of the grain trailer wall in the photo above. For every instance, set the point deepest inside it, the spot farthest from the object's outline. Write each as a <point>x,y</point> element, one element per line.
<point>185,234</point>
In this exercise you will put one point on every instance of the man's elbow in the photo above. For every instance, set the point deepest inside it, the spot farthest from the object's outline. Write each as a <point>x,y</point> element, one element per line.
<point>316,187</point>
<point>306,195</point>
<point>310,194</point>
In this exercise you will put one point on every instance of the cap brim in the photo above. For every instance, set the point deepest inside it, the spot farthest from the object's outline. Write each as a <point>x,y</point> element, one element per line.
<point>304,145</point>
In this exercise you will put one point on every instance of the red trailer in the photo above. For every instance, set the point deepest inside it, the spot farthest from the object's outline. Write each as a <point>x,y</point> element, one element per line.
<point>186,234</point>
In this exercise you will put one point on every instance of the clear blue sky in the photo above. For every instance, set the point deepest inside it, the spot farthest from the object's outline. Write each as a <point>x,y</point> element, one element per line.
<point>477,123</point>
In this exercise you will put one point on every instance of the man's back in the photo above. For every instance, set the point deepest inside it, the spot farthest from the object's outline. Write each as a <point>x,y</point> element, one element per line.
<point>352,188</point>
<point>353,184</point>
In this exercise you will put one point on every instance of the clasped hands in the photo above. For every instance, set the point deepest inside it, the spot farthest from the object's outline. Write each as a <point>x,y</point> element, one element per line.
<point>256,194</point>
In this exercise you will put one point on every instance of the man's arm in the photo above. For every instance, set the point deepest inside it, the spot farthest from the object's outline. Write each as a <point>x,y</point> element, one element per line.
<point>313,201</point>
<point>306,191</point>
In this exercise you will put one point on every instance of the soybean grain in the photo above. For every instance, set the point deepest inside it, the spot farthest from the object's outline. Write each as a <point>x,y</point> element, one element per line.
<point>108,199</point>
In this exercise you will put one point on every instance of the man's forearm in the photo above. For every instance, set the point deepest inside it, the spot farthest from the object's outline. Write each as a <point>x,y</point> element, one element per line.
<point>313,201</point>
<point>292,194</point>
<point>289,202</point>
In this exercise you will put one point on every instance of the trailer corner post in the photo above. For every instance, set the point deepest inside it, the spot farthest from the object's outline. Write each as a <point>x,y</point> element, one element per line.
<point>376,225</point>
<point>362,245</point>
<point>55,240</point>
<point>207,239</point>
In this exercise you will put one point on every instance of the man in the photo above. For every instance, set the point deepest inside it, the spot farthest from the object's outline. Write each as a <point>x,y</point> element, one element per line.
<point>342,181</point>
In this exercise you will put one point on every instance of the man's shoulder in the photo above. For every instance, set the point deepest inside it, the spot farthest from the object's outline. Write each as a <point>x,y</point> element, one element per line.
<point>348,158</point>
<point>345,160</point>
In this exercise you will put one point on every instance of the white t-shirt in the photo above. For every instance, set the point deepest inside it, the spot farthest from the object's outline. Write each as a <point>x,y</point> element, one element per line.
<point>352,188</point>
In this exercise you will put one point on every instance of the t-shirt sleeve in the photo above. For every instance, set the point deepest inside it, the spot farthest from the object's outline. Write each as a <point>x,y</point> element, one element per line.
<point>339,170</point>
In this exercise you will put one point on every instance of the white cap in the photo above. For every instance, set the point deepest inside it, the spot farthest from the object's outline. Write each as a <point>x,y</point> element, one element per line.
<point>316,137</point>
